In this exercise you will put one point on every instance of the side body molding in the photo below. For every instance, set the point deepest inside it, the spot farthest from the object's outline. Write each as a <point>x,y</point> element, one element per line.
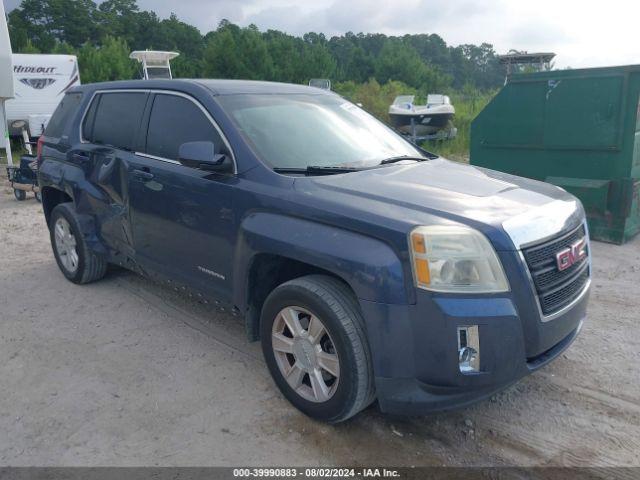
<point>369,266</point>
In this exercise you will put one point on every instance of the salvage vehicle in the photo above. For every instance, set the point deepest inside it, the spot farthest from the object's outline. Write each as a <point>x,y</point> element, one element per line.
<point>368,268</point>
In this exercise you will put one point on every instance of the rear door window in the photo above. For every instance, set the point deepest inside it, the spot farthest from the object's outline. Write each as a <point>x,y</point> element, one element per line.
<point>89,119</point>
<point>65,111</point>
<point>117,119</point>
<point>176,120</point>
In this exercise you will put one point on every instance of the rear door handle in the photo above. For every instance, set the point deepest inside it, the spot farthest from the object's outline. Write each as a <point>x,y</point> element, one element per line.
<point>106,169</point>
<point>143,174</point>
<point>81,158</point>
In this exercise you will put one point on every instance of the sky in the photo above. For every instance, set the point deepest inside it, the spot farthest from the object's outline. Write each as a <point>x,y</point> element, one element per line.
<point>582,33</point>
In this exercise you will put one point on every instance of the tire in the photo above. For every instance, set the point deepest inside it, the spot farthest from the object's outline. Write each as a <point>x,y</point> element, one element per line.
<point>82,267</point>
<point>338,358</point>
<point>20,195</point>
<point>38,197</point>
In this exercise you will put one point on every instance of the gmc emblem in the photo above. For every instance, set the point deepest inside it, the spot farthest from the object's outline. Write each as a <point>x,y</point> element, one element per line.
<point>572,255</point>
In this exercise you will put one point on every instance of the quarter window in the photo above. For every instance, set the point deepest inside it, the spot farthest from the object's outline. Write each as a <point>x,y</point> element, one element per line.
<point>89,119</point>
<point>117,119</point>
<point>67,107</point>
<point>176,120</point>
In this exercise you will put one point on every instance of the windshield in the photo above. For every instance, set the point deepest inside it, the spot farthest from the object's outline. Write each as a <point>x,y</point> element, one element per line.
<point>297,131</point>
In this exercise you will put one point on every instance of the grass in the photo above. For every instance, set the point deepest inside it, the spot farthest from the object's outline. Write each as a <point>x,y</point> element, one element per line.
<point>16,152</point>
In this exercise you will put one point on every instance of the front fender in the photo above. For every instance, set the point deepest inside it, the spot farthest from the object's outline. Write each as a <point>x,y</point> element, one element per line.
<point>369,266</point>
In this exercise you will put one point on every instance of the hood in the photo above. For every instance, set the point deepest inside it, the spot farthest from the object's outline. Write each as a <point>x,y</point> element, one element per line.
<point>455,191</point>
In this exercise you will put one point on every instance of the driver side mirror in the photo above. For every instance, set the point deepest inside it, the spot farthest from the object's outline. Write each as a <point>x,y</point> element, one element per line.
<point>203,156</point>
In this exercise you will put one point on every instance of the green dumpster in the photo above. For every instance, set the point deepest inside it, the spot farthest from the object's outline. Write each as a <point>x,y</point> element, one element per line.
<point>577,129</point>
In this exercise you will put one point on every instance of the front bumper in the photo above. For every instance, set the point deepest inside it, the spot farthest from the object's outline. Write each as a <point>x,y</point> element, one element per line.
<point>415,354</point>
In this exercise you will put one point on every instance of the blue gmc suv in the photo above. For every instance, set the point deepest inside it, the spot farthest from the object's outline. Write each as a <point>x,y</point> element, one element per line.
<point>367,267</point>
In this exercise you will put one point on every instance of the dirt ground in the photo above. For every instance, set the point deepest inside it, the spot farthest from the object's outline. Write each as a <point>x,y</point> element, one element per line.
<point>128,373</point>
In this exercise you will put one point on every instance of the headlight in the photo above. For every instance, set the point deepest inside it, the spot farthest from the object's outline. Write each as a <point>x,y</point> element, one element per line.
<point>455,259</point>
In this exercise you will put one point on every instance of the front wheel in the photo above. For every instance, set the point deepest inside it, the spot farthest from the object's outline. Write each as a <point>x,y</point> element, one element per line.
<point>314,344</point>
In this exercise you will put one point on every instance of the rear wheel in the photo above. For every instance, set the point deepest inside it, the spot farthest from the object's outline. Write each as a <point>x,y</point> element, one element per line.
<point>315,347</point>
<point>76,261</point>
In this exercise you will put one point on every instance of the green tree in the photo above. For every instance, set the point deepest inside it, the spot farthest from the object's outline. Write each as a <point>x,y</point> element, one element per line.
<point>285,51</point>
<point>119,18</point>
<point>237,53</point>
<point>64,49</point>
<point>424,62</point>
<point>182,37</point>
<point>400,62</point>
<point>317,62</point>
<point>47,22</point>
<point>29,48</point>
<point>108,62</point>
<point>221,56</point>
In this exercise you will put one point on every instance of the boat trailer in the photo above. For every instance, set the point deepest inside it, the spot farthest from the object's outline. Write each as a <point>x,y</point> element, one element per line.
<point>414,137</point>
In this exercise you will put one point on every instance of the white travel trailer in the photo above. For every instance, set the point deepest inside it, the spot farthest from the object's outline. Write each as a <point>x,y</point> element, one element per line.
<point>6,81</point>
<point>40,82</point>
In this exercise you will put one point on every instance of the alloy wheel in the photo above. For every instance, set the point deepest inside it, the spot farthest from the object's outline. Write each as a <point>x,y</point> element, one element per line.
<point>66,245</point>
<point>305,354</point>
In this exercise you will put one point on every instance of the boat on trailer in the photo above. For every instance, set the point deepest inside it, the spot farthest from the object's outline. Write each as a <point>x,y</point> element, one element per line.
<point>411,119</point>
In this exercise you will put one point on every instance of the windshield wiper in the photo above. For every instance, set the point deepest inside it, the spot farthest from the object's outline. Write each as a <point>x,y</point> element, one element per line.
<point>400,158</point>
<point>316,170</point>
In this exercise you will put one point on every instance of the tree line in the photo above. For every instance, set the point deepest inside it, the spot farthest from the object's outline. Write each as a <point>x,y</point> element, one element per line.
<point>103,35</point>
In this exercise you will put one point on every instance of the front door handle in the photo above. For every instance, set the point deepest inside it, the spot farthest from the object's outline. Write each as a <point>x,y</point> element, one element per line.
<point>143,174</point>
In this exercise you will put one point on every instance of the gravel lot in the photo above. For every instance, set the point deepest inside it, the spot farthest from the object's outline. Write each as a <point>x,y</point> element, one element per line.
<point>128,373</point>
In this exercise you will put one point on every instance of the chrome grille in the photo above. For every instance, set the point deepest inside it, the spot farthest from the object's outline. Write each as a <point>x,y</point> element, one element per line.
<point>556,289</point>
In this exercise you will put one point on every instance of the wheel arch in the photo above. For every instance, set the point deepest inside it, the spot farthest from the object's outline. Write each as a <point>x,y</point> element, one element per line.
<point>51,198</point>
<point>273,249</point>
<point>268,271</point>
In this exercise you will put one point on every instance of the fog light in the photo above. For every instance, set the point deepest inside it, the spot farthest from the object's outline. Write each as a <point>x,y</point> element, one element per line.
<point>469,349</point>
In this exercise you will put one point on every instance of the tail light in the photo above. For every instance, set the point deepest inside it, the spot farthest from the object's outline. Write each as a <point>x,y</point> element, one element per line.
<point>39,150</point>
